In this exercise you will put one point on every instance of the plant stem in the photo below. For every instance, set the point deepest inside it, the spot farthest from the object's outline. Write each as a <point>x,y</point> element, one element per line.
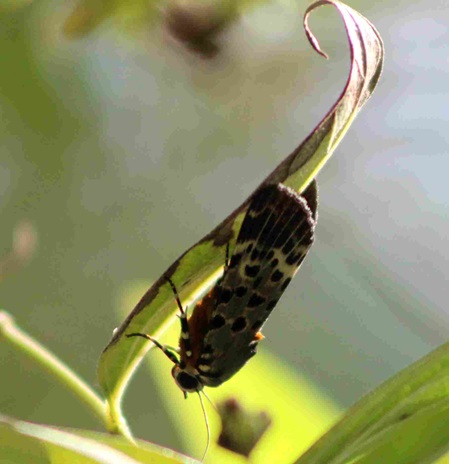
<point>38,353</point>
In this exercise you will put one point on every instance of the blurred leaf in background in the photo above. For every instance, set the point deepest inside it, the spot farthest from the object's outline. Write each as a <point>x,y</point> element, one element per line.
<point>10,5</point>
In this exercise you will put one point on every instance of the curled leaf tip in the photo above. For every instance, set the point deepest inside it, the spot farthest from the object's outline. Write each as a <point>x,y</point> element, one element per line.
<point>310,36</point>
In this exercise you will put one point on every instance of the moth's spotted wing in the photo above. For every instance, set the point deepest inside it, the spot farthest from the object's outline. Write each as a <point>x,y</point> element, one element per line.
<point>275,236</point>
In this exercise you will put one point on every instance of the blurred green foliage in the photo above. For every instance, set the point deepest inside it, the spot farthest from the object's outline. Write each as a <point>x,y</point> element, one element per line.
<point>124,151</point>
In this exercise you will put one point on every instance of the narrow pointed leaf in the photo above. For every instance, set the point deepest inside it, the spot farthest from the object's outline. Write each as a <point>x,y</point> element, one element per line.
<point>24,442</point>
<point>405,420</point>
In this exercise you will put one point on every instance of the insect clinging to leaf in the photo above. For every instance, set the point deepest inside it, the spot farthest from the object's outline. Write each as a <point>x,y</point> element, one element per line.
<point>223,331</point>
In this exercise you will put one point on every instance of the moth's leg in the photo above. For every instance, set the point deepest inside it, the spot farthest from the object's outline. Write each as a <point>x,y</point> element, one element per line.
<point>174,349</point>
<point>185,333</point>
<point>226,257</point>
<point>167,350</point>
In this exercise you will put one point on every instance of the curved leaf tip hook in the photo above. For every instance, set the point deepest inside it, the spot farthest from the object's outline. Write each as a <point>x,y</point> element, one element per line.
<point>310,36</point>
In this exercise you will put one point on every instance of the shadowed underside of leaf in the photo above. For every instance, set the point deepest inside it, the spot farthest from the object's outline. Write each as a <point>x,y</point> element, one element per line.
<point>405,420</point>
<point>201,265</point>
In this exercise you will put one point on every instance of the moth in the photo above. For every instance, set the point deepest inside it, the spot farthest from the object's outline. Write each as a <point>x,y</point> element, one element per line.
<point>224,329</point>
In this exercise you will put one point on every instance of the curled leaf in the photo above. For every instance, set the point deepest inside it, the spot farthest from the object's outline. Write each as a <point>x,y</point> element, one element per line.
<point>201,265</point>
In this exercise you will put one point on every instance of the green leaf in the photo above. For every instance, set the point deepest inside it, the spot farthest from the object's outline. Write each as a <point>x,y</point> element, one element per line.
<point>89,14</point>
<point>23,442</point>
<point>201,265</point>
<point>405,420</point>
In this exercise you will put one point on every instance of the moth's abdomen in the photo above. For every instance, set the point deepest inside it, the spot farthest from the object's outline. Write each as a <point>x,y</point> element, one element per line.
<point>198,327</point>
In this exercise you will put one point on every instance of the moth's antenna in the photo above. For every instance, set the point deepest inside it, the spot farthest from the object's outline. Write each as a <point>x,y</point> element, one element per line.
<point>207,426</point>
<point>208,399</point>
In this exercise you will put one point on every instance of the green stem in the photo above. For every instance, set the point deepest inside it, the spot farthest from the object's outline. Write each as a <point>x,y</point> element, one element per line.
<point>38,353</point>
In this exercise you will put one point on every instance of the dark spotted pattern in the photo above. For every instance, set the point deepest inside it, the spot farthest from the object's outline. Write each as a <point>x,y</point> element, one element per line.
<point>276,233</point>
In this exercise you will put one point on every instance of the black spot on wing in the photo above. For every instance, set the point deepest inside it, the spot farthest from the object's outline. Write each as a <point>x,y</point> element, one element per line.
<point>252,224</point>
<point>252,271</point>
<point>217,321</point>
<point>225,295</point>
<point>256,300</point>
<point>254,254</point>
<point>239,324</point>
<point>293,258</point>
<point>285,283</point>
<point>277,276</point>
<point>241,291</point>
<point>257,325</point>
<point>271,305</point>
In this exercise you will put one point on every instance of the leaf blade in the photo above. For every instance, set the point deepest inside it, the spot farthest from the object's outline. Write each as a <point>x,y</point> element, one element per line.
<point>23,442</point>
<point>205,259</point>
<point>405,404</point>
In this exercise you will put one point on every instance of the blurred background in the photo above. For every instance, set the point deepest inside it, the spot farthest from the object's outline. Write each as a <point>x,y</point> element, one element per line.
<point>124,141</point>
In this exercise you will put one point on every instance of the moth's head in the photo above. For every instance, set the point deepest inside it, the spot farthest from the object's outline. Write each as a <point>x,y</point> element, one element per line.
<point>187,378</point>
